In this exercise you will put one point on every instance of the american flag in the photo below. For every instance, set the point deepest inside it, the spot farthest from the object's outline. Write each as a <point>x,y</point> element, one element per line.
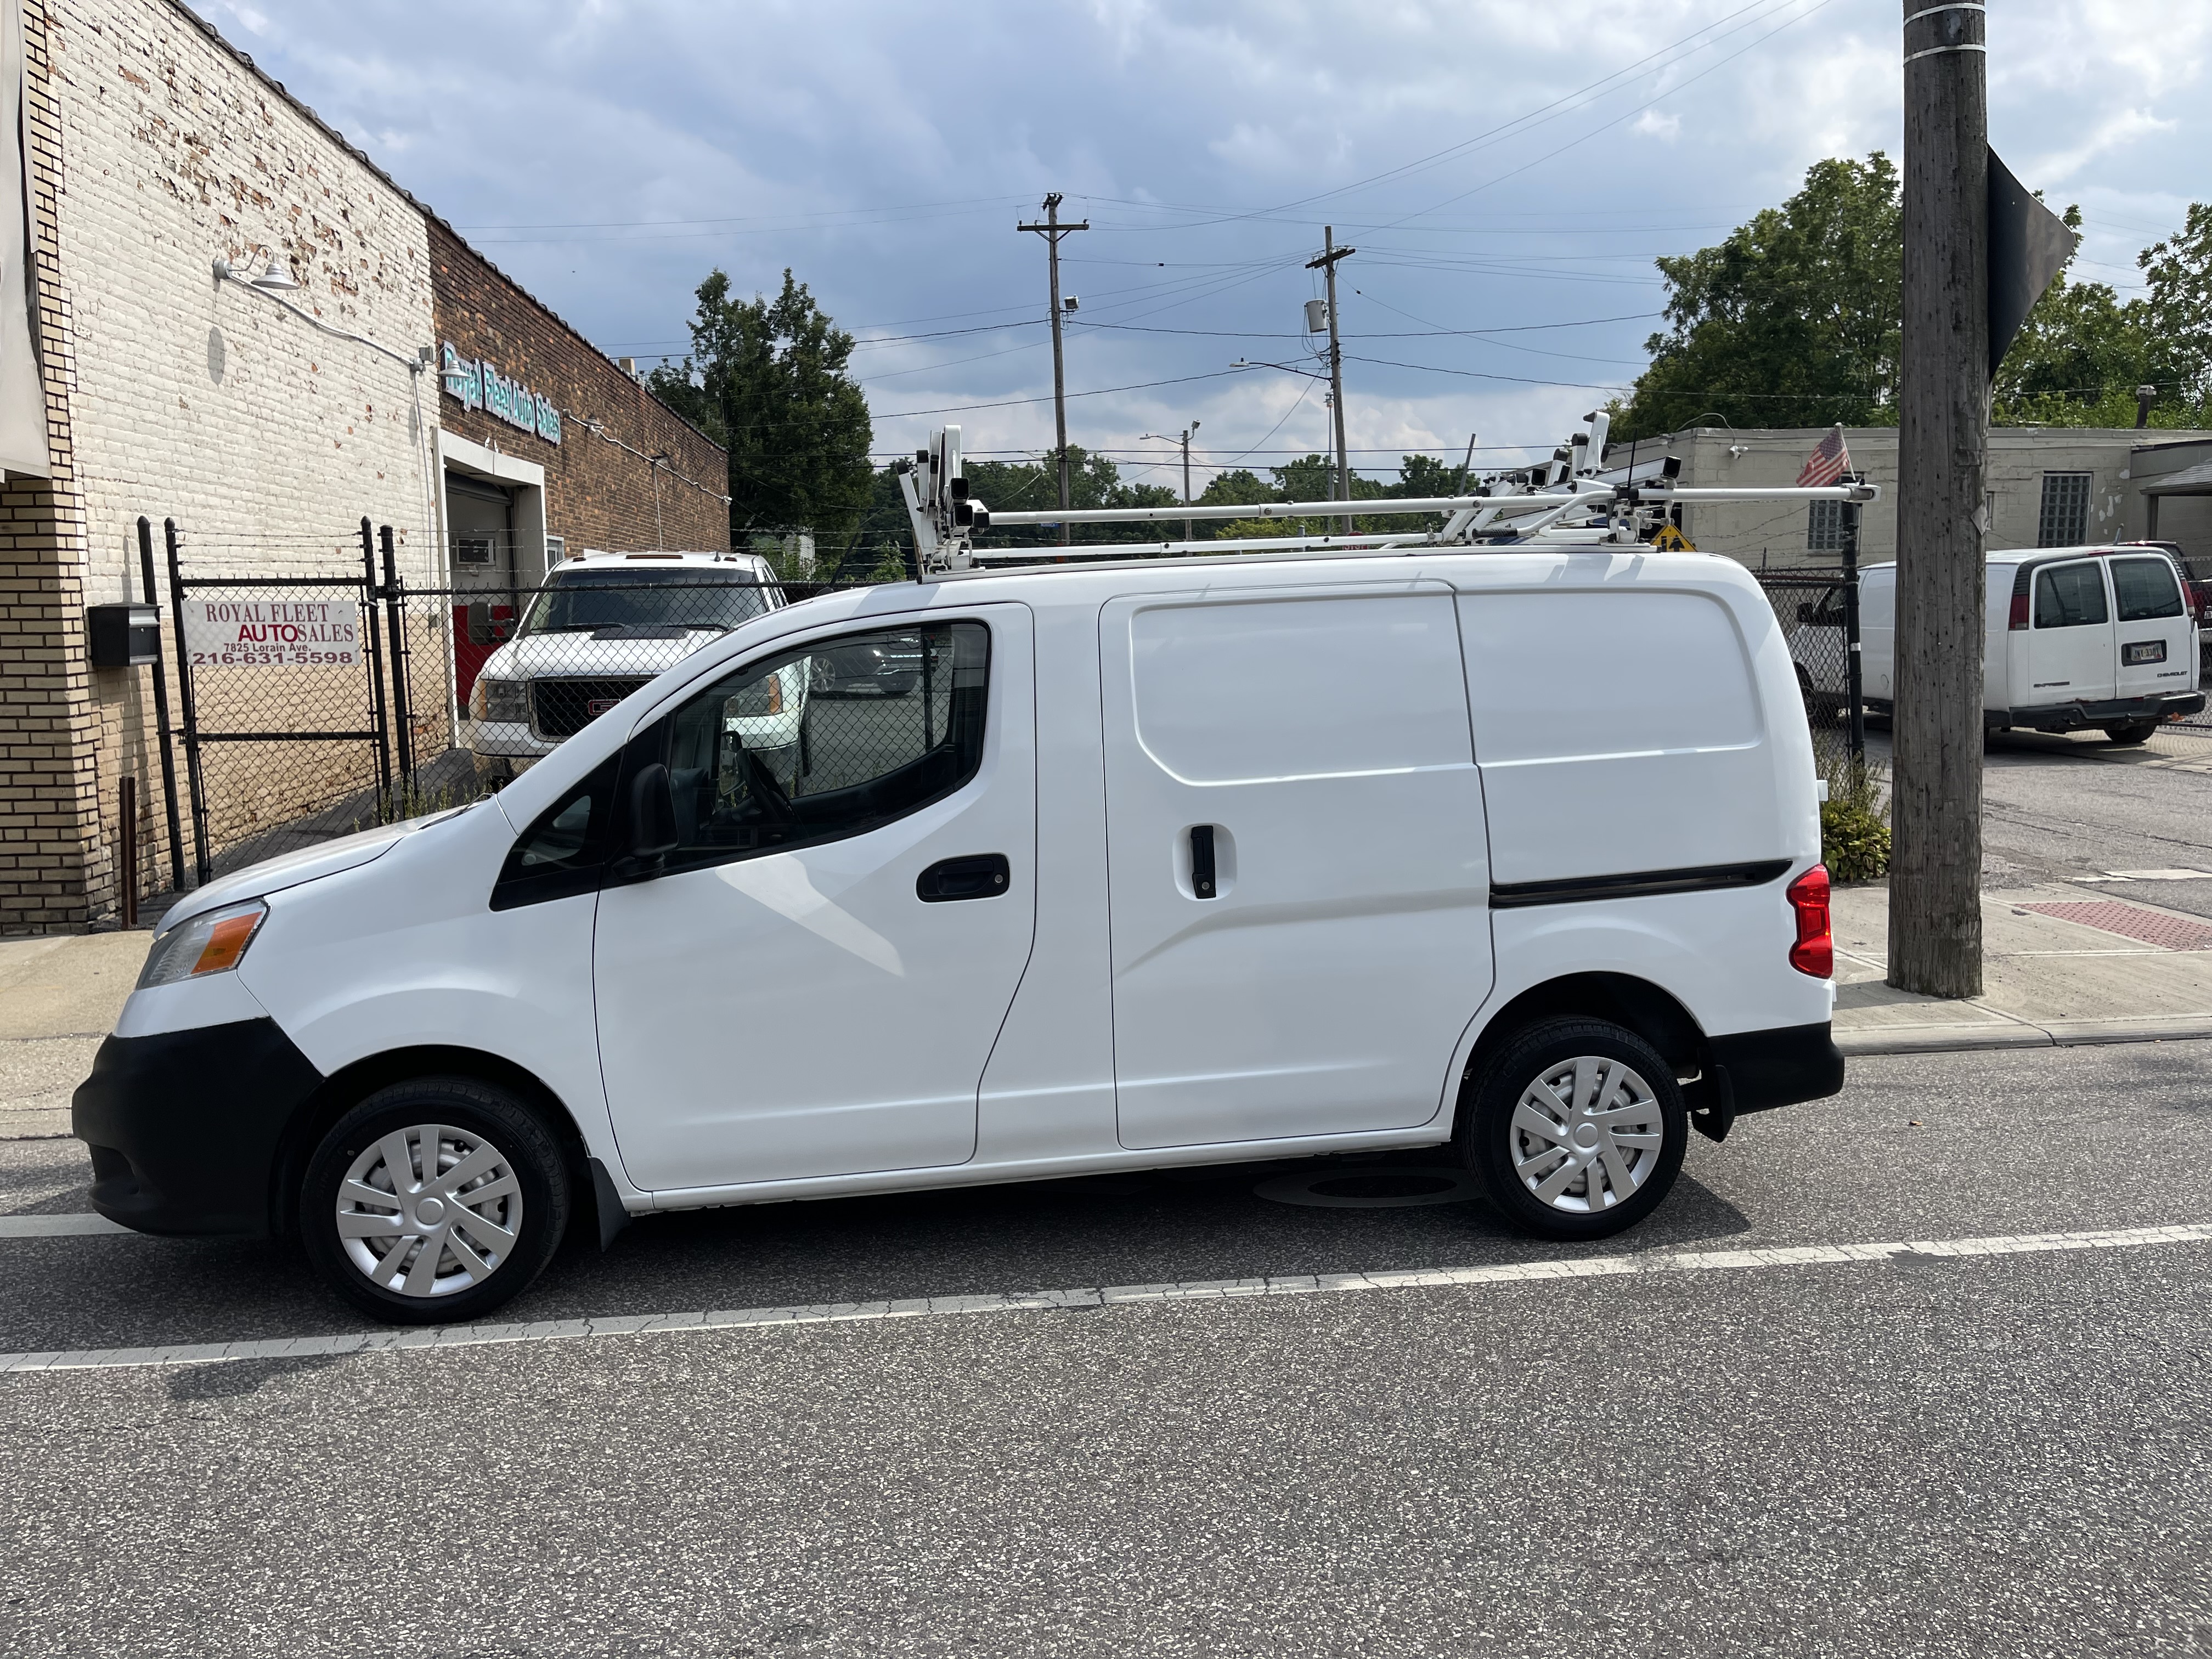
<point>1826,464</point>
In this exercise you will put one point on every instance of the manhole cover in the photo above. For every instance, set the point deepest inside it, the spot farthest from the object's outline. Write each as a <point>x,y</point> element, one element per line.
<point>1381,1188</point>
<point>2132,922</point>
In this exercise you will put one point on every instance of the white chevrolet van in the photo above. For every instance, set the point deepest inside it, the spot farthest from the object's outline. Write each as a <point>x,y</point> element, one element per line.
<point>1157,863</point>
<point>2077,638</point>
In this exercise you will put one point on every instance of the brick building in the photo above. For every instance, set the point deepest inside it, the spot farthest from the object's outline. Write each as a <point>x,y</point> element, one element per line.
<point>266,412</point>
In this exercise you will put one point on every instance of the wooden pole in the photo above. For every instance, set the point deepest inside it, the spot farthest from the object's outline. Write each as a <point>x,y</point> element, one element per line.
<point>1935,905</point>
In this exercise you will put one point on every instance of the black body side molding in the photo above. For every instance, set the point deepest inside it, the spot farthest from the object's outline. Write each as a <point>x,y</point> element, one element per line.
<point>1634,883</point>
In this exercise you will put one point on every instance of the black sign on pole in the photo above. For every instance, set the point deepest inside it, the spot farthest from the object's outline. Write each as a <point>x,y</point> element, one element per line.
<point>2029,246</point>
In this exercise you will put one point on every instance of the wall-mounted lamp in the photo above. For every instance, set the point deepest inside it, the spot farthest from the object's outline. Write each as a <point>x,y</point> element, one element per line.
<point>275,275</point>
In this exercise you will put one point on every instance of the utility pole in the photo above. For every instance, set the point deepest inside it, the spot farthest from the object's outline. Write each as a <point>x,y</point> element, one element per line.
<point>1467,465</point>
<point>1188,534</point>
<point>1935,899</point>
<point>1052,230</point>
<point>1330,254</point>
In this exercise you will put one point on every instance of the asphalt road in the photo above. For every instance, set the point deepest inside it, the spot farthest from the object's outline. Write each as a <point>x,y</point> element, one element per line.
<point>2057,808</point>
<point>1922,1455</point>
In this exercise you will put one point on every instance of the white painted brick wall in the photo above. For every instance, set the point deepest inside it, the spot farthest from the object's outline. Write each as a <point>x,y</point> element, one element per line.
<point>174,153</point>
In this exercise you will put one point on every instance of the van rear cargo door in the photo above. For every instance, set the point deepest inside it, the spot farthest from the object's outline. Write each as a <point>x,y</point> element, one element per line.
<point>2070,651</point>
<point>1297,872</point>
<point>2156,638</point>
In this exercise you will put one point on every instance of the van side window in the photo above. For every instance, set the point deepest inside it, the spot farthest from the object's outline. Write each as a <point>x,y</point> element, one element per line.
<point>2144,589</point>
<point>565,852</point>
<point>834,739</point>
<point>2070,596</point>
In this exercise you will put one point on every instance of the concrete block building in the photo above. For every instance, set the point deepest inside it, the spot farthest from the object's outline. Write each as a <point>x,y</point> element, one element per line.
<point>338,373</point>
<point>2048,487</point>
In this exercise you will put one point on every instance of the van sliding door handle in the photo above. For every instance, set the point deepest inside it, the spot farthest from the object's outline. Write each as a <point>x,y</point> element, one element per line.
<point>1201,860</point>
<point>980,875</point>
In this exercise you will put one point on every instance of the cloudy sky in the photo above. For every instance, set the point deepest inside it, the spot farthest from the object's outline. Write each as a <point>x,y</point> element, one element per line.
<point>1506,174</point>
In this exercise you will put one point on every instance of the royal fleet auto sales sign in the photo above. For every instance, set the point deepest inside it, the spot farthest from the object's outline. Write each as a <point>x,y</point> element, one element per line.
<point>272,633</point>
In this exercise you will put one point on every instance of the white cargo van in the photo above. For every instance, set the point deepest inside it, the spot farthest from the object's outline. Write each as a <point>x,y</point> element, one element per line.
<point>1152,863</point>
<point>2077,638</point>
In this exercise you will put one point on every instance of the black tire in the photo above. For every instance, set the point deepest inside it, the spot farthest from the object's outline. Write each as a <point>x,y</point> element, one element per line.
<point>480,1116</point>
<point>2133,733</point>
<point>1490,1140</point>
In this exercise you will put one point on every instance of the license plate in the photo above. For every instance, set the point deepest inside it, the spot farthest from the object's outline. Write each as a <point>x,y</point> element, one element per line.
<point>2141,651</point>
<point>598,705</point>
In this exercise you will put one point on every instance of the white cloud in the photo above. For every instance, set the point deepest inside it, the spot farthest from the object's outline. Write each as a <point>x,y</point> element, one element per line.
<point>887,163</point>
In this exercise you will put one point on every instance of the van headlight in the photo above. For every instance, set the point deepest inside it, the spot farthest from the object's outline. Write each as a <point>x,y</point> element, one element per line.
<point>505,701</point>
<point>212,943</point>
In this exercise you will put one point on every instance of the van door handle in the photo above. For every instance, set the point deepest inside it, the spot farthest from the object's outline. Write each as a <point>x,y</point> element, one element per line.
<point>978,875</point>
<point>1201,860</point>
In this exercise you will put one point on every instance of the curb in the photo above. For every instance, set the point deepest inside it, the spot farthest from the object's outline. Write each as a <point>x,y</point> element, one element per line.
<point>2057,1034</point>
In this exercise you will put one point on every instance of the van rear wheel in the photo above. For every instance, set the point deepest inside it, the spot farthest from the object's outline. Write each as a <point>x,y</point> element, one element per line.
<point>433,1201</point>
<point>1576,1128</point>
<point>2134,731</point>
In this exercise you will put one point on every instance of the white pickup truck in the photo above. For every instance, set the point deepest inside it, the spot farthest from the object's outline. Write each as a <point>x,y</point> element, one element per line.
<point>606,623</point>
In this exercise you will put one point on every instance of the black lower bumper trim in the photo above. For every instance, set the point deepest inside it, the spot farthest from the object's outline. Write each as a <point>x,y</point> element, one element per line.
<point>2117,711</point>
<point>1780,1067</point>
<point>184,1126</point>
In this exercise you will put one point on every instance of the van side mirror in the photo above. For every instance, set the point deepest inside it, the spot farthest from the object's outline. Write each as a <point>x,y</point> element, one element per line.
<point>652,814</point>
<point>1806,608</point>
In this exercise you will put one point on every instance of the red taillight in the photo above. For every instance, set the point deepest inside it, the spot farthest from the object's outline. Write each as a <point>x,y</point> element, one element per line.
<point>1815,952</point>
<point>2020,610</point>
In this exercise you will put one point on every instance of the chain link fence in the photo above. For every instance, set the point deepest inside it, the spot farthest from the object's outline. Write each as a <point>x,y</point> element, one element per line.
<point>316,704</point>
<point>1810,607</point>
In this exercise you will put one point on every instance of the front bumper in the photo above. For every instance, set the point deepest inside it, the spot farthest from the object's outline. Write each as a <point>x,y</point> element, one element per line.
<point>1761,1070</point>
<point>185,1127</point>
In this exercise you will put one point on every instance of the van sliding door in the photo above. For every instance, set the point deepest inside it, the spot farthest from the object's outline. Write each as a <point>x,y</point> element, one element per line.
<point>1297,869</point>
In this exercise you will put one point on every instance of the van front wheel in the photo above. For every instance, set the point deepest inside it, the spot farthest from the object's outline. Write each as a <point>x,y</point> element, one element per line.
<point>433,1201</point>
<point>1576,1128</point>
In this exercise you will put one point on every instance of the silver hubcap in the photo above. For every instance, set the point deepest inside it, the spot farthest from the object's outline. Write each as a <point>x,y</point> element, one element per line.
<point>429,1210</point>
<point>1587,1135</point>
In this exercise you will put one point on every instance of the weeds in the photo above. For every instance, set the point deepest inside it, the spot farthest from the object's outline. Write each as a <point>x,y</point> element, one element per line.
<point>1854,819</point>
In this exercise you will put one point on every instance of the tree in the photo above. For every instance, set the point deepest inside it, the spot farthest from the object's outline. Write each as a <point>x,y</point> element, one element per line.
<point>1093,481</point>
<point>2180,273</point>
<point>1793,320</point>
<point>767,380</point>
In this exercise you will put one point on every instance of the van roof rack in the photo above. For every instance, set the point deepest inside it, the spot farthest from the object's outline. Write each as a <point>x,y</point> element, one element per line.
<point>1568,501</point>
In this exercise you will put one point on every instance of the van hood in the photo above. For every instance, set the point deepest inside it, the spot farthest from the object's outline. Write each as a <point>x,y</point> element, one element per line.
<point>308,864</point>
<point>643,652</point>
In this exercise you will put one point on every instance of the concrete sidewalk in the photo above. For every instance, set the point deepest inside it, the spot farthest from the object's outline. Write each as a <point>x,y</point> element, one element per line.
<point>59,997</point>
<point>2102,969</point>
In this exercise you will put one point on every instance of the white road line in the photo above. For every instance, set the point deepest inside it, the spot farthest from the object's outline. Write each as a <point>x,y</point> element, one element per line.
<point>1599,1266</point>
<point>58,1226</point>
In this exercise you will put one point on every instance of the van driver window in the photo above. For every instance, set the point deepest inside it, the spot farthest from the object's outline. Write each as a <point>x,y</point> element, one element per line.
<point>2070,596</point>
<point>828,741</point>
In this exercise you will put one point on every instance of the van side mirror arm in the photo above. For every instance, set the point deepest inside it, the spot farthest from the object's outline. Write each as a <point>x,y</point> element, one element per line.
<point>652,815</point>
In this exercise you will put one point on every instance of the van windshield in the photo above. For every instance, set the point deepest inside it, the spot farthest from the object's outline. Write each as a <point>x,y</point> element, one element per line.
<point>591,599</point>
